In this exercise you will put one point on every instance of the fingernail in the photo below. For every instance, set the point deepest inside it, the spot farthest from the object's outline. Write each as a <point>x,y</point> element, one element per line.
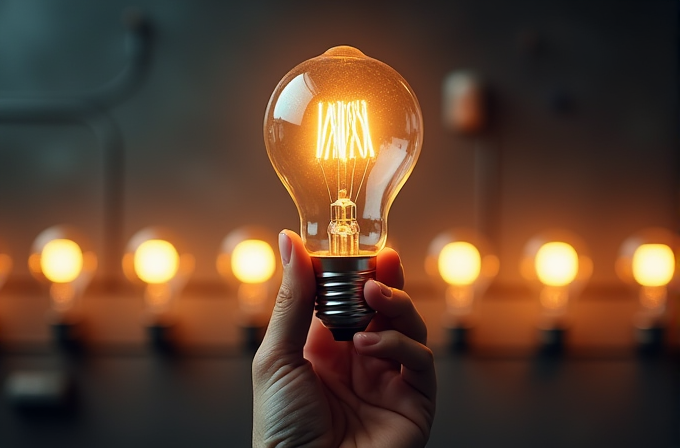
<point>365,339</point>
<point>384,289</point>
<point>285,248</point>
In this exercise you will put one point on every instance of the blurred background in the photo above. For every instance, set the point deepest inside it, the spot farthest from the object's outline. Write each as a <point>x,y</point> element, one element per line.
<point>541,118</point>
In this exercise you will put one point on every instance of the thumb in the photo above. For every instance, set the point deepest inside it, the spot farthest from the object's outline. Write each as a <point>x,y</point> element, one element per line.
<point>292,314</point>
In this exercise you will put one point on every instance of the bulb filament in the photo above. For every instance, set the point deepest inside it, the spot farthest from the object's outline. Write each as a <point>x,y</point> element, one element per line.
<point>343,142</point>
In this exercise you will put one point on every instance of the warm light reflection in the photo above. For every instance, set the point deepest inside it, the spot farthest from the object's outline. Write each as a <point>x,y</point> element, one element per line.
<point>653,264</point>
<point>556,264</point>
<point>253,261</point>
<point>156,261</point>
<point>61,261</point>
<point>459,263</point>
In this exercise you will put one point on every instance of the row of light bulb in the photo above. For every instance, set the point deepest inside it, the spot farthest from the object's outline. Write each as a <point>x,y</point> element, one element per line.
<point>557,266</point>
<point>555,263</point>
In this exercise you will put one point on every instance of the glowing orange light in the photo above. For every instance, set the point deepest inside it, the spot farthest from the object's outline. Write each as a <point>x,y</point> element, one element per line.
<point>61,261</point>
<point>343,131</point>
<point>459,263</point>
<point>556,264</point>
<point>653,264</point>
<point>253,261</point>
<point>156,261</point>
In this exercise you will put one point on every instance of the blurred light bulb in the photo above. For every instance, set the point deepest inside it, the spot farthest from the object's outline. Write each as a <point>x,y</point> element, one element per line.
<point>253,261</point>
<point>156,261</point>
<point>153,258</point>
<point>556,264</point>
<point>462,260</point>
<point>61,260</point>
<point>248,263</point>
<point>647,262</point>
<point>460,263</point>
<point>61,256</point>
<point>343,132</point>
<point>653,264</point>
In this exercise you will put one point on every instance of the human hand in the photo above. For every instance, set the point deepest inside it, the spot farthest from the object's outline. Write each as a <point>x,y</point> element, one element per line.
<point>378,390</point>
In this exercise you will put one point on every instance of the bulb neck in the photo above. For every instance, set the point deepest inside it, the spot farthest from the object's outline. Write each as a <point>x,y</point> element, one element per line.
<point>340,303</point>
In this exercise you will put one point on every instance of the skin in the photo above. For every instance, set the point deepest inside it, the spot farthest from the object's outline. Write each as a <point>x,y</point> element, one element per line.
<point>378,390</point>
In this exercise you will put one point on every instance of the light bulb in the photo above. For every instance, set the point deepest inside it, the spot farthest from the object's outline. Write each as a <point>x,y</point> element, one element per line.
<point>647,262</point>
<point>556,263</point>
<point>156,261</point>
<point>62,257</point>
<point>253,261</point>
<point>459,263</point>
<point>462,260</point>
<point>248,263</point>
<point>152,257</point>
<point>343,132</point>
<point>653,265</point>
<point>61,261</point>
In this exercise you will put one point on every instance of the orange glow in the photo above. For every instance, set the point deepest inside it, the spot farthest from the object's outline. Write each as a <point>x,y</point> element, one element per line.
<point>653,264</point>
<point>556,264</point>
<point>459,263</point>
<point>156,261</point>
<point>343,132</point>
<point>253,261</point>
<point>61,261</point>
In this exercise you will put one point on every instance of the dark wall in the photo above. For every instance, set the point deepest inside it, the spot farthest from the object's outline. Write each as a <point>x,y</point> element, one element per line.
<point>583,134</point>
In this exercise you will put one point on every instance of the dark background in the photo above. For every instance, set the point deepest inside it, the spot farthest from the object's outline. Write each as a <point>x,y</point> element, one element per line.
<point>112,135</point>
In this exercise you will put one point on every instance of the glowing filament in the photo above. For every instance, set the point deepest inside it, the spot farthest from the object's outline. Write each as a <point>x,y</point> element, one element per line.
<point>459,263</point>
<point>61,261</point>
<point>253,261</point>
<point>556,264</point>
<point>653,264</point>
<point>343,131</point>
<point>156,261</point>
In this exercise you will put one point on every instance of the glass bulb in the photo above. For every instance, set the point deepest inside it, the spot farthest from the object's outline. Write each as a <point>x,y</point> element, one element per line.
<point>156,261</point>
<point>556,264</point>
<point>460,263</point>
<point>343,132</point>
<point>253,261</point>
<point>653,264</point>
<point>61,261</point>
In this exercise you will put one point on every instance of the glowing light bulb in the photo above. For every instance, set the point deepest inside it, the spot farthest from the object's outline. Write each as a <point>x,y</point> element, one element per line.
<point>653,264</point>
<point>152,258</point>
<point>248,263</point>
<point>647,262</point>
<point>61,260</point>
<point>459,263</point>
<point>343,132</point>
<point>156,261</point>
<point>62,256</point>
<point>253,261</point>
<point>556,264</point>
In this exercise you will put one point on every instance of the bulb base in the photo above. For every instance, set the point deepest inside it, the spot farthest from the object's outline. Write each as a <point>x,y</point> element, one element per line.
<point>340,303</point>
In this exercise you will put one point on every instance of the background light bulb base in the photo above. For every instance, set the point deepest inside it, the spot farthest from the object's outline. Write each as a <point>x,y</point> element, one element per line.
<point>552,340</point>
<point>650,340</point>
<point>340,303</point>
<point>161,336</point>
<point>68,335</point>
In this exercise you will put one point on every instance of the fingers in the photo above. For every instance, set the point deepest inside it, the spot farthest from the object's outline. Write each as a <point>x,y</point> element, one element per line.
<point>389,270</point>
<point>395,310</point>
<point>416,359</point>
<point>292,314</point>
